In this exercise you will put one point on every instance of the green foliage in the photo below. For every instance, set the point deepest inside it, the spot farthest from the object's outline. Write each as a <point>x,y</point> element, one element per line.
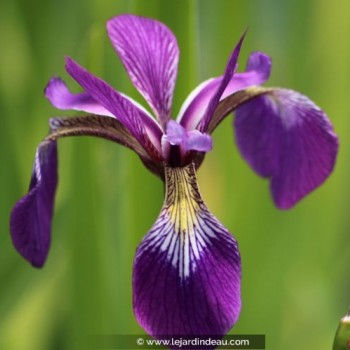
<point>295,264</point>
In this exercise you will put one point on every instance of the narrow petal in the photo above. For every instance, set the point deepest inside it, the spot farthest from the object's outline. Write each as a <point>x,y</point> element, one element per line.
<point>149,52</point>
<point>30,222</point>
<point>284,136</point>
<point>187,270</point>
<point>104,127</point>
<point>122,108</point>
<point>215,99</point>
<point>257,72</point>
<point>60,97</point>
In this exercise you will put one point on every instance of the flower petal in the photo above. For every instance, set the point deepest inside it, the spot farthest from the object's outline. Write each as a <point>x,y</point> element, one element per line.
<point>226,78</point>
<point>122,108</point>
<point>106,128</point>
<point>150,55</point>
<point>30,222</point>
<point>286,137</point>
<point>193,140</point>
<point>187,269</point>
<point>257,72</point>
<point>60,97</point>
<point>31,217</point>
<point>103,127</point>
<point>198,141</point>
<point>175,133</point>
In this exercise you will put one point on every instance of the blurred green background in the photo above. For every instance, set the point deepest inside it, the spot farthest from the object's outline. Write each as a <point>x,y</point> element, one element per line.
<point>295,264</point>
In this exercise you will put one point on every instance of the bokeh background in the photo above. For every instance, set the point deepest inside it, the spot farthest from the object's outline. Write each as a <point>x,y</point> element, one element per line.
<point>295,264</point>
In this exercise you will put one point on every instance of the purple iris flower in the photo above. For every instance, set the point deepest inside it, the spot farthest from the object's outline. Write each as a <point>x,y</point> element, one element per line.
<point>187,270</point>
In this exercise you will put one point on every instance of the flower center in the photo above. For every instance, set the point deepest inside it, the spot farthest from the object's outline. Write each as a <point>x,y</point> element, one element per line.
<point>179,145</point>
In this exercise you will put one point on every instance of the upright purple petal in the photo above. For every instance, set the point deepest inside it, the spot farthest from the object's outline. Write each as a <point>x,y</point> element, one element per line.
<point>187,270</point>
<point>215,99</point>
<point>122,108</point>
<point>150,55</point>
<point>284,136</point>
<point>30,222</point>
<point>257,72</point>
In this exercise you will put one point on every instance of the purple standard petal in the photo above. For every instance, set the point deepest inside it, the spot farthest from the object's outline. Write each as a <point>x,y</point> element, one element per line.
<point>132,117</point>
<point>150,55</point>
<point>30,222</point>
<point>286,137</point>
<point>187,270</point>
<point>257,72</point>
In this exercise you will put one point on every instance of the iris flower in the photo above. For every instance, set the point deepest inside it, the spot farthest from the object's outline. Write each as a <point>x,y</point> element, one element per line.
<point>187,270</point>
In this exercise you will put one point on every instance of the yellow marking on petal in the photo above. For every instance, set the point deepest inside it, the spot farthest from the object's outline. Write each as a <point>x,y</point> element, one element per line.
<point>182,207</point>
<point>182,197</point>
<point>185,231</point>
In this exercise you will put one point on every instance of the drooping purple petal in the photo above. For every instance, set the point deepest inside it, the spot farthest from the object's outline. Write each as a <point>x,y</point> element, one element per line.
<point>31,217</point>
<point>149,52</point>
<point>187,270</point>
<point>286,137</point>
<point>122,108</point>
<point>30,222</point>
<point>257,72</point>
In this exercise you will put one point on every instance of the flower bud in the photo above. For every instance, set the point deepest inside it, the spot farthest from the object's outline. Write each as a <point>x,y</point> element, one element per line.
<point>342,337</point>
